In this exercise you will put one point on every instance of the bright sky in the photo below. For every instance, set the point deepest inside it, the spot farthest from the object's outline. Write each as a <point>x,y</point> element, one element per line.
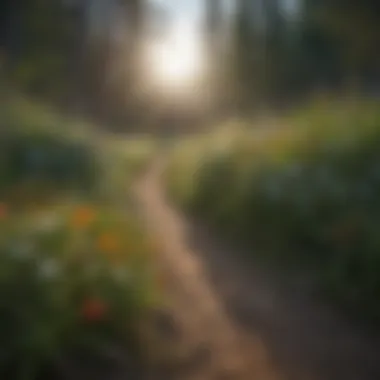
<point>183,9</point>
<point>190,10</point>
<point>176,65</point>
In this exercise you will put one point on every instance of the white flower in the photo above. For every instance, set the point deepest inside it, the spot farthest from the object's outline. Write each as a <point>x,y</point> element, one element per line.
<point>47,223</point>
<point>49,269</point>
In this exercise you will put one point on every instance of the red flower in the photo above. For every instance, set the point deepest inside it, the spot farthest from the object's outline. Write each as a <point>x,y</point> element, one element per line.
<point>94,310</point>
<point>3,210</point>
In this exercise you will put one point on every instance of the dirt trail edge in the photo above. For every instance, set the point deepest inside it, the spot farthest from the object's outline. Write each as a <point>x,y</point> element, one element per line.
<point>235,324</point>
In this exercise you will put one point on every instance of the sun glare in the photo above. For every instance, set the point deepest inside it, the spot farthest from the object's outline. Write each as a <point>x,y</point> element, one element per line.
<point>176,62</point>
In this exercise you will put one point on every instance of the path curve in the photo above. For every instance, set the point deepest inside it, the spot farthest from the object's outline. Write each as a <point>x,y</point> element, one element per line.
<point>243,324</point>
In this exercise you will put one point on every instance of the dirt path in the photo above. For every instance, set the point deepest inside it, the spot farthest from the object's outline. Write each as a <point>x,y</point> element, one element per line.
<point>240,323</point>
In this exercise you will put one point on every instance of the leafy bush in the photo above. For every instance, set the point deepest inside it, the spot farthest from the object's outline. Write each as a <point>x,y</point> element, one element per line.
<point>73,278</point>
<point>46,159</point>
<point>311,193</point>
<point>42,153</point>
<point>39,150</point>
<point>76,274</point>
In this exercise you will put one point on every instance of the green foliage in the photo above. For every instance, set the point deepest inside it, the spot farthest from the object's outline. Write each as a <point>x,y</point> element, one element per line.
<point>309,193</point>
<point>73,277</point>
<point>41,151</point>
<point>47,159</point>
<point>320,44</point>
<point>75,269</point>
<point>38,149</point>
<point>43,47</point>
<point>354,24</point>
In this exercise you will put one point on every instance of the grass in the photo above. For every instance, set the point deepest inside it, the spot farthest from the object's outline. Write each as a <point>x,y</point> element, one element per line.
<point>70,274</point>
<point>77,272</point>
<point>308,194</point>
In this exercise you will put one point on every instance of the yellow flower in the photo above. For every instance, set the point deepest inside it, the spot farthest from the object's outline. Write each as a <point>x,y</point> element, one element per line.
<point>83,217</point>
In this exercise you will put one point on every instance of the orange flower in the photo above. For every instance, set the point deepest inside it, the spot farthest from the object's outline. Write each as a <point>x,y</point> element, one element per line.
<point>82,217</point>
<point>3,211</point>
<point>108,242</point>
<point>94,310</point>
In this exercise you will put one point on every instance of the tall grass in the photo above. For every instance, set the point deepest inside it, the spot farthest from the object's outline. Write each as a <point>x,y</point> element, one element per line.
<point>310,193</point>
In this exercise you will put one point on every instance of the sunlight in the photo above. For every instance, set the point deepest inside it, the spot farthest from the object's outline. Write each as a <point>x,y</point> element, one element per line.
<point>176,63</point>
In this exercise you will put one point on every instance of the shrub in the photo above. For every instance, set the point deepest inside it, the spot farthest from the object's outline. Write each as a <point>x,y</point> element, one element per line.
<point>73,278</point>
<point>46,159</point>
<point>40,150</point>
<point>76,274</point>
<point>311,193</point>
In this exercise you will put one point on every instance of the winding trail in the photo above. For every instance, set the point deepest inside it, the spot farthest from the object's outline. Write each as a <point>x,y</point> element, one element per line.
<point>239,322</point>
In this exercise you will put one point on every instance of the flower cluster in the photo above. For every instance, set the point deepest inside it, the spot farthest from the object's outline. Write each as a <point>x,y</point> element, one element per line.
<point>69,273</point>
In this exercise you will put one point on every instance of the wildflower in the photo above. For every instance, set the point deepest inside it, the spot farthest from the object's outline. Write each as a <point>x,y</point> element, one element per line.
<point>93,310</point>
<point>108,242</point>
<point>49,269</point>
<point>47,223</point>
<point>3,210</point>
<point>82,217</point>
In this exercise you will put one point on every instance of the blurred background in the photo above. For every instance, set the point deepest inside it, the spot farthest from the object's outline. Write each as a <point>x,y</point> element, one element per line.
<point>126,125</point>
<point>133,63</point>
